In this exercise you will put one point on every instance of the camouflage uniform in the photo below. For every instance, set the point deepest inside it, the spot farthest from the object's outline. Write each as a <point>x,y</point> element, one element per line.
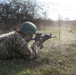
<point>12,45</point>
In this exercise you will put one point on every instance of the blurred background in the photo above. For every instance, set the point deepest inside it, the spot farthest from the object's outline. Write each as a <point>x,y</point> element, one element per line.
<point>41,12</point>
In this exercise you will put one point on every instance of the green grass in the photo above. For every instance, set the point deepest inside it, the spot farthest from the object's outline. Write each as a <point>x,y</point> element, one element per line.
<point>52,62</point>
<point>54,59</point>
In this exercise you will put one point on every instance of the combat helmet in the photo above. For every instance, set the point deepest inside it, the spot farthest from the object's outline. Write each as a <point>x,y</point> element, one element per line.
<point>28,28</point>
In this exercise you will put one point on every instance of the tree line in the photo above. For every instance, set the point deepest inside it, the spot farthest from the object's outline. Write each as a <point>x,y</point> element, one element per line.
<point>15,12</point>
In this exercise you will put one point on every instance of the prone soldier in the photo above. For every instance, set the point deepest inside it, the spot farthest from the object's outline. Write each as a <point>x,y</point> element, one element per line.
<point>15,44</point>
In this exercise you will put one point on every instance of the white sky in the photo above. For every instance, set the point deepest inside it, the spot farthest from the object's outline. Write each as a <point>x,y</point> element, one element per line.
<point>65,8</point>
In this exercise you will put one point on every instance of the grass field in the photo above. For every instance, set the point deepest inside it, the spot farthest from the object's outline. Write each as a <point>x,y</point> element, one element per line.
<point>56,58</point>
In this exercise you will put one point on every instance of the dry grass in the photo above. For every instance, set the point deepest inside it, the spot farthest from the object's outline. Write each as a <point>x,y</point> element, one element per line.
<point>54,59</point>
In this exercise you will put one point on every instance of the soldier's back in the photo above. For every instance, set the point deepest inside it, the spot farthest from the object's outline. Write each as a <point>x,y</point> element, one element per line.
<point>5,44</point>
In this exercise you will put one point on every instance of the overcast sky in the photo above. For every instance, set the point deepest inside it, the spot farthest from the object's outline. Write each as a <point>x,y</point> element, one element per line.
<point>65,8</point>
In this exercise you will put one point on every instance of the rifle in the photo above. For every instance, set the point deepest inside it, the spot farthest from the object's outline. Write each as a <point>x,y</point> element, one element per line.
<point>40,39</point>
